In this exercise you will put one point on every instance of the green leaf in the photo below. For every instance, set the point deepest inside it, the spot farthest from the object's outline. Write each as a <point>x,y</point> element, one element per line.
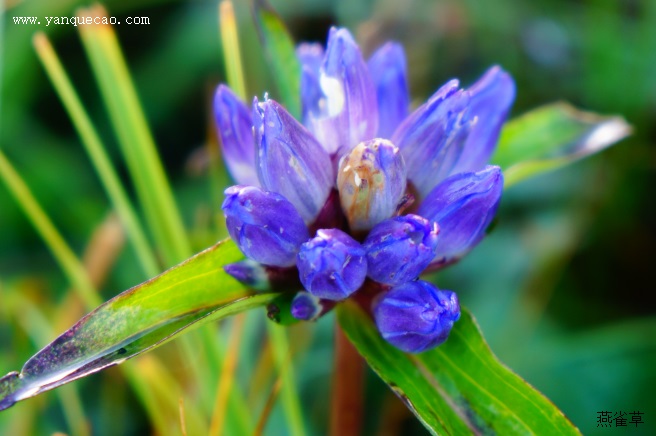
<point>553,136</point>
<point>195,292</point>
<point>459,387</point>
<point>281,54</point>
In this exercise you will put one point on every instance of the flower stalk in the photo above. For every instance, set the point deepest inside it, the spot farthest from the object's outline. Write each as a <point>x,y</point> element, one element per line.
<point>346,407</point>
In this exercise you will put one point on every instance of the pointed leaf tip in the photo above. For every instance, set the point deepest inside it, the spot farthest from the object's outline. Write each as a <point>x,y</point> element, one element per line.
<point>194,292</point>
<point>553,136</point>
<point>8,387</point>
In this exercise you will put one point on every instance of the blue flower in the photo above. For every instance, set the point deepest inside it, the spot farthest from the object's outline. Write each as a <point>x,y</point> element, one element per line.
<point>400,248</point>
<point>364,193</point>
<point>416,316</point>
<point>236,132</point>
<point>332,265</point>
<point>264,224</point>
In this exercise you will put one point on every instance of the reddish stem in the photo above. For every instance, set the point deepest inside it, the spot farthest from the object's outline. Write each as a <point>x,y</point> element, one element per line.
<point>346,407</point>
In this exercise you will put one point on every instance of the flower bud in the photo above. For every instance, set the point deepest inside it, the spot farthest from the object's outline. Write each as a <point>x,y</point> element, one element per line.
<point>491,98</point>
<point>398,249</point>
<point>388,71</point>
<point>416,316</point>
<point>249,273</point>
<point>432,138</point>
<point>290,161</point>
<point>311,57</point>
<point>306,306</point>
<point>233,120</point>
<point>347,112</point>
<point>463,206</point>
<point>264,225</point>
<point>371,182</point>
<point>332,265</point>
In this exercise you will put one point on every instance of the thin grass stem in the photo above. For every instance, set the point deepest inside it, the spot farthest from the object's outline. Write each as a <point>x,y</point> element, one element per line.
<point>65,257</point>
<point>75,272</point>
<point>96,151</point>
<point>234,72</point>
<point>226,378</point>
<point>135,138</point>
<point>290,401</point>
<point>230,44</point>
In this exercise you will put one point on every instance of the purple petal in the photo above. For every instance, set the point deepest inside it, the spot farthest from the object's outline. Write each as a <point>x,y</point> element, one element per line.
<point>332,265</point>
<point>250,273</point>
<point>311,57</point>
<point>491,98</point>
<point>233,120</point>
<point>432,138</point>
<point>348,112</point>
<point>399,249</point>
<point>264,225</point>
<point>290,161</point>
<point>371,180</point>
<point>387,67</point>
<point>416,316</point>
<point>306,306</point>
<point>463,206</point>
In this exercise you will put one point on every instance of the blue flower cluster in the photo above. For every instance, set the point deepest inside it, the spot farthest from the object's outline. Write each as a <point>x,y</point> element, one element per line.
<point>362,194</point>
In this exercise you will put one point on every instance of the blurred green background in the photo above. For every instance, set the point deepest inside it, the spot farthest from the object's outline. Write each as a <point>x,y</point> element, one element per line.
<point>563,288</point>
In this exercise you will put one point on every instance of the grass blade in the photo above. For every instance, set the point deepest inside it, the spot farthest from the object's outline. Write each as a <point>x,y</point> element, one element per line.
<point>289,392</point>
<point>96,151</point>
<point>231,53</point>
<point>226,379</point>
<point>135,138</point>
<point>62,253</point>
<point>75,273</point>
<point>281,54</point>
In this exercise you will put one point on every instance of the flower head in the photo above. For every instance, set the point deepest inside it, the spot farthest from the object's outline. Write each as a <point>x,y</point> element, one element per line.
<point>361,194</point>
